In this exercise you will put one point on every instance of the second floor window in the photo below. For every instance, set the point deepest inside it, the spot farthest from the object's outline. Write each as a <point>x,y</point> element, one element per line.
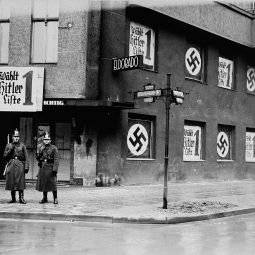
<point>4,31</point>
<point>45,19</point>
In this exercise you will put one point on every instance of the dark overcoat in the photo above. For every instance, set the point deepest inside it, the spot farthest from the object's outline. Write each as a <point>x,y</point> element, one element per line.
<point>48,163</point>
<point>16,157</point>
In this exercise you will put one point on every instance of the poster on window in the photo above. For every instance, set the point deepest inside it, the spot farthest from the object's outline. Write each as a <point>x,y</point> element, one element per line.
<point>21,89</point>
<point>192,143</point>
<point>225,75</point>
<point>223,145</point>
<point>142,42</point>
<point>250,147</point>
<point>138,139</point>
<point>193,63</point>
<point>250,84</point>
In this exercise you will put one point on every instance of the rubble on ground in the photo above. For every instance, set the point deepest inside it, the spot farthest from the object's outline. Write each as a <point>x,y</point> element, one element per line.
<point>198,207</point>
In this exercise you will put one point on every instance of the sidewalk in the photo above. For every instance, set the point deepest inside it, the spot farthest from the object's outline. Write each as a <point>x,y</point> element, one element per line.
<point>136,204</point>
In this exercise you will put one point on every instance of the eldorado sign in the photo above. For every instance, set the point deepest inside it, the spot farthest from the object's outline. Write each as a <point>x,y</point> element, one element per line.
<point>21,89</point>
<point>127,63</point>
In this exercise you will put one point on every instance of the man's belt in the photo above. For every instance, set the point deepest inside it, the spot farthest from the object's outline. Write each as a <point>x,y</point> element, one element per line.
<point>48,161</point>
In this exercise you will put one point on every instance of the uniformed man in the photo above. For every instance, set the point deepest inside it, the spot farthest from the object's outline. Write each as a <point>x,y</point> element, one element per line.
<point>48,167</point>
<point>17,165</point>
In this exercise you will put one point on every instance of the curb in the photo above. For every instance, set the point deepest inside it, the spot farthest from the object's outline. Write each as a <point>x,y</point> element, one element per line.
<point>110,219</point>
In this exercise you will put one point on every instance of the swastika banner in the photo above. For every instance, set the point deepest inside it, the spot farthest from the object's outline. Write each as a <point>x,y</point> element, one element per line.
<point>194,62</point>
<point>223,144</point>
<point>138,139</point>
<point>250,84</point>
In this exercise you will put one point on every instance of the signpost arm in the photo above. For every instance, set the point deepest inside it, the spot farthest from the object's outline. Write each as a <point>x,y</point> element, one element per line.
<point>167,103</point>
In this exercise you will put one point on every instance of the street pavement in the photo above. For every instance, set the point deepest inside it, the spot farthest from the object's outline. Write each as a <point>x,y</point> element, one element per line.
<point>135,203</point>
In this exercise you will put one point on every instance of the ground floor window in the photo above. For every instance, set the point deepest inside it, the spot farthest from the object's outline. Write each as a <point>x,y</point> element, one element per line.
<point>140,137</point>
<point>225,145</point>
<point>250,145</point>
<point>194,142</point>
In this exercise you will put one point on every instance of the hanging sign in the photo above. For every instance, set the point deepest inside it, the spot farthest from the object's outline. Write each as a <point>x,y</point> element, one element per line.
<point>250,147</point>
<point>225,76</point>
<point>192,143</point>
<point>127,63</point>
<point>21,89</point>
<point>250,80</point>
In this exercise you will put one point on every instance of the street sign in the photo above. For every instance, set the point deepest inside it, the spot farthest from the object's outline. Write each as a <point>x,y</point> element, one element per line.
<point>148,93</point>
<point>127,63</point>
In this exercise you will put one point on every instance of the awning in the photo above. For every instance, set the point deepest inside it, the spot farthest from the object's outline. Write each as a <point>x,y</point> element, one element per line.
<point>87,103</point>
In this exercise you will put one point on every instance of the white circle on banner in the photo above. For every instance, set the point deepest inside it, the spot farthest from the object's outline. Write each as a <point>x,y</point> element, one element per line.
<point>137,139</point>
<point>251,79</point>
<point>193,61</point>
<point>222,144</point>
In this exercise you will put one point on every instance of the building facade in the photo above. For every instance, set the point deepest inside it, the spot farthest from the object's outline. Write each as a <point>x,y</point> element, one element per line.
<point>69,67</point>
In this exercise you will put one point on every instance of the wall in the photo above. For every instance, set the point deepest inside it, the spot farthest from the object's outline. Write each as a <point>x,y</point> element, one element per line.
<point>205,102</point>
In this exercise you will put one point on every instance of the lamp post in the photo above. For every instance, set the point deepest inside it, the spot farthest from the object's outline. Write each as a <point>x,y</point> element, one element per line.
<point>167,104</point>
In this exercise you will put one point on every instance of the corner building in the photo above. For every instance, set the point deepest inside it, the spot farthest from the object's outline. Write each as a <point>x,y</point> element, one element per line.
<point>56,75</point>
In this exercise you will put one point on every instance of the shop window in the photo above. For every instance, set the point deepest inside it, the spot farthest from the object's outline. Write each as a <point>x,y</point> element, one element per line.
<point>194,141</point>
<point>195,62</point>
<point>250,80</point>
<point>250,145</point>
<point>142,42</point>
<point>225,145</point>
<point>226,73</point>
<point>45,31</point>
<point>4,31</point>
<point>140,138</point>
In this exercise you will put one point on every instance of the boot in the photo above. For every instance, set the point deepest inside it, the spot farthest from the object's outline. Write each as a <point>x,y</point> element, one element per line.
<point>55,197</point>
<point>44,199</point>
<point>13,194</point>
<point>21,197</point>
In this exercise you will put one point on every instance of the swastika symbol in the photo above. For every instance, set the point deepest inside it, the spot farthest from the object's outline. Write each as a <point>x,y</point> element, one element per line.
<point>193,61</point>
<point>222,144</point>
<point>137,139</point>
<point>251,79</point>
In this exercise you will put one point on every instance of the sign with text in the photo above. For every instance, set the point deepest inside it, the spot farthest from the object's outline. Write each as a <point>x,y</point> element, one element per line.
<point>21,89</point>
<point>225,75</point>
<point>192,143</point>
<point>250,147</point>
<point>127,63</point>
<point>142,42</point>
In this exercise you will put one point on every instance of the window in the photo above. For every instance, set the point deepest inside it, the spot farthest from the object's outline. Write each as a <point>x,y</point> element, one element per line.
<point>194,142</point>
<point>226,73</point>
<point>140,137</point>
<point>142,42</point>
<point>250,82</point>
<point>4,31</point>
<point>225,142</point>
<point>45,31</point>
<point>195,62</point>
<point>250,145</point>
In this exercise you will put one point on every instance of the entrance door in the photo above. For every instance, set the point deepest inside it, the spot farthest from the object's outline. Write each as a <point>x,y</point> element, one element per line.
<point>63,143</point>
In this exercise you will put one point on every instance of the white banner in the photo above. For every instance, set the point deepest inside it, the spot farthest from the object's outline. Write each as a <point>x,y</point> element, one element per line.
<point>21,89</point>
<point>142,42</point>
<point>225,76</point>
<point>250,147</point>
<point>192,143</point>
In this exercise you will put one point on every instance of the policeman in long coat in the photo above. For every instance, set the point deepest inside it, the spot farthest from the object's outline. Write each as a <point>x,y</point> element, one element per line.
<point>17,165</point>
<point>48,167</point>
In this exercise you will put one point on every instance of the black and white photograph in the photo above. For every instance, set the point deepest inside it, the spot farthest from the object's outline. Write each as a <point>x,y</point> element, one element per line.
<point>128,127</point>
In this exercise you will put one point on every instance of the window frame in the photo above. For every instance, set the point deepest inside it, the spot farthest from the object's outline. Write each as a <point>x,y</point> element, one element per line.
<point>46,19</point>
<point>201,125</point>
<point>152,138</point>
<point>231,130</point>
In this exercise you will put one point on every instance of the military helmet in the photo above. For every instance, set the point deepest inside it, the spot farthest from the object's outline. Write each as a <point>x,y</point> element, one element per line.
<point>16,132</point>
<point>47,136</point>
